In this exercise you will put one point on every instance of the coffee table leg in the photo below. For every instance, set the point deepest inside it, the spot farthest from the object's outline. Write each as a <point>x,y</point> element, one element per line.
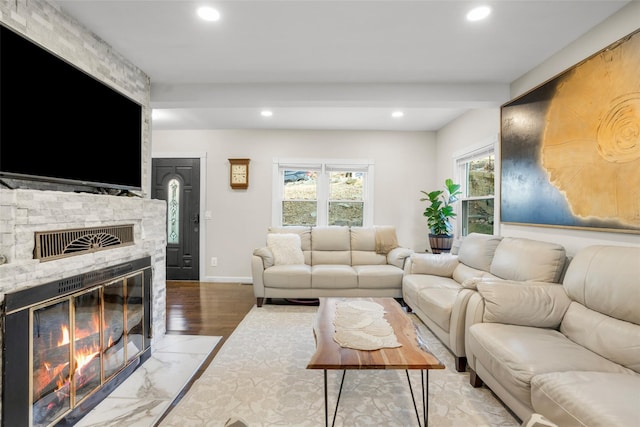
<point>326,400</point>
<point>425,395</point>
<point>424,380</point>
<point>326,406</point>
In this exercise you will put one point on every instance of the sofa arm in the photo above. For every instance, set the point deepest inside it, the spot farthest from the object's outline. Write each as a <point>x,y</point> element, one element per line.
<point>265,255</point>
<point>398,255</point>
<point>257,270</point>
<point>536,304</point>
<point>436,265</point>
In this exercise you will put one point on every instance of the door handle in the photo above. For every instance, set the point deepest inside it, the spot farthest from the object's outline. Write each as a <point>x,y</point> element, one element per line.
<point>196,218</point>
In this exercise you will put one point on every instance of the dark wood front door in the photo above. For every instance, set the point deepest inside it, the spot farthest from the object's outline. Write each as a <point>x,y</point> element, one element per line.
<point>178,182</point>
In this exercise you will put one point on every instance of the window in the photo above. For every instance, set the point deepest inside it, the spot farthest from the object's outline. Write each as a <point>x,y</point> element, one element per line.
<point>476,174</point>
<point>318,192</point>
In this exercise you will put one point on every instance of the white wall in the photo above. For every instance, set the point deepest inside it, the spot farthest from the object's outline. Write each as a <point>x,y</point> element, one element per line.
<point>481,124</point>
<point>404,164</point>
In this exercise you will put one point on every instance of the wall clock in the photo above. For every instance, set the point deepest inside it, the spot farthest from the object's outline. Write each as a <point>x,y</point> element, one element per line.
<point>239,173</point>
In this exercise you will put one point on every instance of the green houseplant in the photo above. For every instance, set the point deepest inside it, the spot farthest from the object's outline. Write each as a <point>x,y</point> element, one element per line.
<point>439,214</point>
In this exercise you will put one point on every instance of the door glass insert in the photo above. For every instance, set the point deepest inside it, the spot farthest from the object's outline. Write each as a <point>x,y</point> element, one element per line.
<point>173,212</point>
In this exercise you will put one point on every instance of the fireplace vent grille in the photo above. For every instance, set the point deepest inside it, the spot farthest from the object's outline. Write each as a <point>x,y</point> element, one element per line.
<point>57,244</point>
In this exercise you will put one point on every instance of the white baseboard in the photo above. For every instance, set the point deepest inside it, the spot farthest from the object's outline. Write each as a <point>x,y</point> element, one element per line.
<point>230,279</point>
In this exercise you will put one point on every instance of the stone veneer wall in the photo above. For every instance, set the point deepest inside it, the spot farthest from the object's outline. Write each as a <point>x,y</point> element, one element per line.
<point>25,211</point>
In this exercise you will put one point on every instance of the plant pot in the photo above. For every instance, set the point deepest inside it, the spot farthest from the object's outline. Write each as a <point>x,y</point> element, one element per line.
<point>440,243</point>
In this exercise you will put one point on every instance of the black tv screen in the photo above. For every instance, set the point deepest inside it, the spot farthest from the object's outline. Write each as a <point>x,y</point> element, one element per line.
<point>59,124</point>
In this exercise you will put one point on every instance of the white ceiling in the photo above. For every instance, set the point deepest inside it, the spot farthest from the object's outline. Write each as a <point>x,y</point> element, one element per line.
<point>331,64</point>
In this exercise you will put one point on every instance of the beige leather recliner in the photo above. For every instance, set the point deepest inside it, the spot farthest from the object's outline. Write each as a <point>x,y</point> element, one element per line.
<point>570,352</point>
<point>438,287</point>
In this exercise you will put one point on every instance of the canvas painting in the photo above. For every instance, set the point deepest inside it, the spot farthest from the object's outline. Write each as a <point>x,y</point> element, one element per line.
<point>571,147</point>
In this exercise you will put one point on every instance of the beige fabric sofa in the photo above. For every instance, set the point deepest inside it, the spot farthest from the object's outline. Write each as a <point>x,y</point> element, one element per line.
<point>338,261</point>
<point>569,352</point>
<point>438,287</point>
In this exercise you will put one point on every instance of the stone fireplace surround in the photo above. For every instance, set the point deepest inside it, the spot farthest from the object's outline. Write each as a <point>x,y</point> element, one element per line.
<point>24,212</point>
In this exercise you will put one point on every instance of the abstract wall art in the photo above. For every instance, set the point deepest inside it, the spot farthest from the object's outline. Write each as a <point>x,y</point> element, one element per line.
<point>570,148</point>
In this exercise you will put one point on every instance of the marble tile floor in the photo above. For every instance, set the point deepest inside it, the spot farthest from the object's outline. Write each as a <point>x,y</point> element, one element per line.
<point>142,399</point>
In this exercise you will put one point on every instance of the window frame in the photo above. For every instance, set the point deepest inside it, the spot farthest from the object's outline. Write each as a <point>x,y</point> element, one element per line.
<point>460,162</point>
<point>323,167</point>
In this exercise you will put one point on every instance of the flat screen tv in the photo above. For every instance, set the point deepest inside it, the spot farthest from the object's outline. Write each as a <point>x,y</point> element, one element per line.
<point>59,124</point>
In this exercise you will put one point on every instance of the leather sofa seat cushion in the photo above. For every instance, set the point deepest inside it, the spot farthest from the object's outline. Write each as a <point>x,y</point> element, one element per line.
<point>378,276</point>
<point>438,303</point>
<point>288,276</point>
<point>413,283</point>
<point>477,250</point>
<point>588,398</point>
<point>526,259</point>
<point>333,277</point>
<point>515,354</point>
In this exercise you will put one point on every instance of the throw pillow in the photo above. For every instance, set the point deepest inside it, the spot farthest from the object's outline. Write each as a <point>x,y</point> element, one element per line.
<point>286,248</point>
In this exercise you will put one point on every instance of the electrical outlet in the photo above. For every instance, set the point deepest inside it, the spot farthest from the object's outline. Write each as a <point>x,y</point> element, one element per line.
<point>214,261</point>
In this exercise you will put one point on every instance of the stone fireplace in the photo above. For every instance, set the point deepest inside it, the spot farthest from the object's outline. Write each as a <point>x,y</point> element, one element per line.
<point>76,325</point>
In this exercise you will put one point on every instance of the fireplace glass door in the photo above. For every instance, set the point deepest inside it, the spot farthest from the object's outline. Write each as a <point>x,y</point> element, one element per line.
<point>79,342</point>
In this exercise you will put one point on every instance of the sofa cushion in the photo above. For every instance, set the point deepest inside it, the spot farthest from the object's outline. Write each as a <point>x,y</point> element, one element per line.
<point>476,250</point>
<point>328,276</point>
<point>294,276</point>
<point>588,280</point>
<point>438,302</point>
<point>611,338</point>
<point>463,273</point>
<point>330,245</point>
<point>526,259</point>
<point>537,304</point>
<point>378,276</point>
<point>515,354</point>
<point>587,398</point>
<point>285,248</point>
<point>367,258</point>
<point>438,265</point>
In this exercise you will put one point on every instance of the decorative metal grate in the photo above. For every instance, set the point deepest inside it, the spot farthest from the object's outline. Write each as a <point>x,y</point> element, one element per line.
<point>57,244</point>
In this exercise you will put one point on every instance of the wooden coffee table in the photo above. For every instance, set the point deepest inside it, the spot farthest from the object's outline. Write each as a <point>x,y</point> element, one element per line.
<point>411,355</point>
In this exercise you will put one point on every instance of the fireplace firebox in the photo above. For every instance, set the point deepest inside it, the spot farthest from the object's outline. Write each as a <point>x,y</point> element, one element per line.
<point>68,343</point>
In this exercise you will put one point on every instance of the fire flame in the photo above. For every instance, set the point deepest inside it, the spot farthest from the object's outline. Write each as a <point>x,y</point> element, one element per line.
<point>65,336</point>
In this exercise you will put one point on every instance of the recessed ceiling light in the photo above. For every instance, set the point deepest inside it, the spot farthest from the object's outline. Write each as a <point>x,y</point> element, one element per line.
<point>397,114</point>
<point>478,13</point>
<point>208,13</point>
<point>266,113</point>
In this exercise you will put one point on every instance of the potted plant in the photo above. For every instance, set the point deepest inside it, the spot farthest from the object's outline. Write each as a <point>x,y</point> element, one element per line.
<point>439,215</point>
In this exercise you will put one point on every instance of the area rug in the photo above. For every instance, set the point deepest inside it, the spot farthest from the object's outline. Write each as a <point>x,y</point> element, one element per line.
<point>260,377</point>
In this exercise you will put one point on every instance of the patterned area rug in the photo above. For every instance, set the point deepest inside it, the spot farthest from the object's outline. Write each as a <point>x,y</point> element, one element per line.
<point>260,376</point>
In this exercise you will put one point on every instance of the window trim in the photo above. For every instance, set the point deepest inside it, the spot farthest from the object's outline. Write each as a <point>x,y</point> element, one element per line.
<point>323,166</point>
<point>475,151</point>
